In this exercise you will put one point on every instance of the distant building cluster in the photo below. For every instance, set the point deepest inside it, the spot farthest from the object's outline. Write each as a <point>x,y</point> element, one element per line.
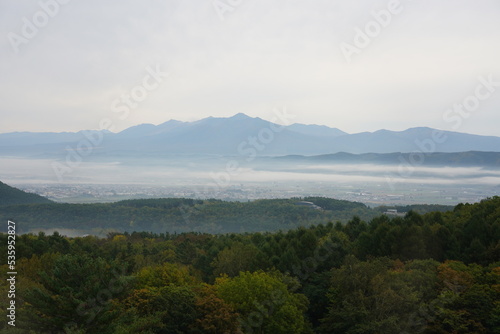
<point>394,212</point>
<point>309,204</point>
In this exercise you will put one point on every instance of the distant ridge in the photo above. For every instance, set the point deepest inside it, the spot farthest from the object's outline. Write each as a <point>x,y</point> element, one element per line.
<point>464,159</point>
<point>12,196</point>
<point>234,135</point>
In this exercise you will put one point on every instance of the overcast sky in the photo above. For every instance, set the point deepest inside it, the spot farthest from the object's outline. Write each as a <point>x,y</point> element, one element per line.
<point>249,56</point>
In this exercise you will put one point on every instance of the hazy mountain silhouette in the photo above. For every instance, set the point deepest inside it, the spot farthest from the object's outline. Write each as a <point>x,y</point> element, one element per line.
<point>244,135</point>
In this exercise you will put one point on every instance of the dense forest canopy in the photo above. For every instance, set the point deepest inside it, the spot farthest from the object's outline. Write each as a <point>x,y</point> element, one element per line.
<point>177,215</point>
<point>437,272</point>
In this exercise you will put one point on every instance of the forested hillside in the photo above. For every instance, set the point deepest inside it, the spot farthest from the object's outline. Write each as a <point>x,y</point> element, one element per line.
<point>177,215</point>
<point>184,215</point>
<point>431,273</point>
<point>11,196</point>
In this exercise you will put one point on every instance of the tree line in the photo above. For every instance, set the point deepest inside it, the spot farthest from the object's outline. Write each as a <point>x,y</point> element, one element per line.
<point>183,215</point>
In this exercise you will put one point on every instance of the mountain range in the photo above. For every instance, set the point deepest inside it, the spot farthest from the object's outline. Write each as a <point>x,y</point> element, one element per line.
<point>243,135</point>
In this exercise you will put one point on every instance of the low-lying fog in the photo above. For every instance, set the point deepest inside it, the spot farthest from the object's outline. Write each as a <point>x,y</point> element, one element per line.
<point>227,178</point>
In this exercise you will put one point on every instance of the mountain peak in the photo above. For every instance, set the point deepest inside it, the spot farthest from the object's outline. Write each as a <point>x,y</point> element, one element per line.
<point>240,115</point>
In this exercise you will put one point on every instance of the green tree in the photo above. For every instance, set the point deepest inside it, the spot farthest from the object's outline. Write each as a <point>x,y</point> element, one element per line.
<point>468,300</point>
<point>238,257</point>
<point>215,316</point>
<point>369,297</point>
<point>164,274</point>
<point>166,310</point>
<point>264,303</point>
<point>75,292</point>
